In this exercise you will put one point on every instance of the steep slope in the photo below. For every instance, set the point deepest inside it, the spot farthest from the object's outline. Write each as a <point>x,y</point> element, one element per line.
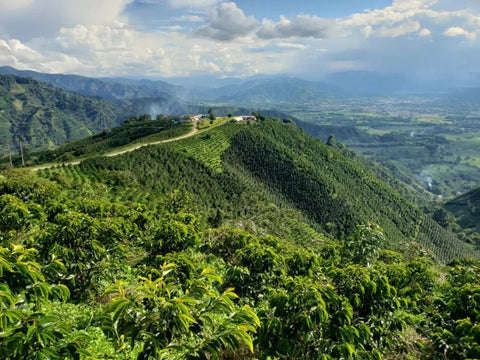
<point>112,89</point>
<point>466,210</point>
<point>269,177</point>
<point>41,116</point>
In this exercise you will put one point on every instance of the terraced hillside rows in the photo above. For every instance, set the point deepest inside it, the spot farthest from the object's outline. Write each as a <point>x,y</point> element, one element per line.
<point>265,174</point>
<point>208,147</point>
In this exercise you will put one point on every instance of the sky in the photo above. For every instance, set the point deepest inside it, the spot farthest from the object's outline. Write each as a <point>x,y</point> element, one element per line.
<point>237,39</point>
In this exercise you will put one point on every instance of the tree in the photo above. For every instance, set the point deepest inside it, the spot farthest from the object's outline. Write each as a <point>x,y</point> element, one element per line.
<point>332,141</point>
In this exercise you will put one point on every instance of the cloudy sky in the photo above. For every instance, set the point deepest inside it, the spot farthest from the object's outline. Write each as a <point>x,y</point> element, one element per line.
<point>177,38</point>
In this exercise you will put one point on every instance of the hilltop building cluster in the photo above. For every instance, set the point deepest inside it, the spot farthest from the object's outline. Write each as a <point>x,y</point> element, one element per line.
<point>198,117</point>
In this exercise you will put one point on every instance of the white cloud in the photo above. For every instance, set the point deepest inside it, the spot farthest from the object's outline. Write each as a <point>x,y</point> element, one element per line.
<point>188,18</point>
<point>171,28</point>
<point>227,22</point>
<point>7,5</point>
<point>289,45</point>
<point>14,53</point>
<point>406,27</point>
<point>44,17</point>
<point>300,26</point>
<point>404,17</point>
<point>424,32</point>
<point>413,4</point>
<point>459,31</point>
<point>95,38</point>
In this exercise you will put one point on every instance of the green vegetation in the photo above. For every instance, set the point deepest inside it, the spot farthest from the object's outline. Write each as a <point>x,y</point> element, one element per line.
<point>240,242</point>
<point>434,147</point>
<point>208,147</point>
<point>462,215</point>
<point>140,129</point>
<point>106,89</point>
<point>40,116</point>
<point>86,278</point>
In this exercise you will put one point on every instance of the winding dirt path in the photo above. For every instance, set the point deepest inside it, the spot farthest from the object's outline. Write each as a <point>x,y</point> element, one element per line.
<point>194,131</point>
<point>120,152</point>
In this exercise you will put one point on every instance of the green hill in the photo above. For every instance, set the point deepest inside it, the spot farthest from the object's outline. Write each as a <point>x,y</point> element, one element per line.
<point>465,213</point>
<point>41,116</point>
<point>279,163</point>
<point>237,242</point>
<point>466,209</point>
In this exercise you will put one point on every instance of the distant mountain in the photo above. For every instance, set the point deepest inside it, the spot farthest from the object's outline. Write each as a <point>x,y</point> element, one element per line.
<point>111,89</point>
<point>268,92</point>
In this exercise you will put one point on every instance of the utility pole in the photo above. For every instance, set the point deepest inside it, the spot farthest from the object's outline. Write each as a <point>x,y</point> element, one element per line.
<point>21,153</point>
<point>10,155</point>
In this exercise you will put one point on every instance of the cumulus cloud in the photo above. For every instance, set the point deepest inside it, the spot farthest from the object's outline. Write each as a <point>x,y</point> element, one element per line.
<point>14,53</point>
<point>423,17</point>
<point>459,31</point>
<point>227,22</point>
<point>301,26</point>
<point>97,38</point>
<point>404,28</point>
<point>41,18</point>
<point>424,32</point>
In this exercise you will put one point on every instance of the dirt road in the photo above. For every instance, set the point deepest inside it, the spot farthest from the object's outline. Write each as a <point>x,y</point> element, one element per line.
<point>194,131</point>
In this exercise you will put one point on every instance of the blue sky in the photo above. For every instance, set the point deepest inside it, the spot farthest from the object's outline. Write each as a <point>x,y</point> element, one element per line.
<point>158,11</point>
<point>323,8</point>
<point>179,38</point>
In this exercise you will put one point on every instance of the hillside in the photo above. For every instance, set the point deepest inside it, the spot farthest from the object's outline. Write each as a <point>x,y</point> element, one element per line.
<point>111,89</point>
<point>328,189</point>
<point>465,210</point>
<point>41,116</point>
<point>238,242</point>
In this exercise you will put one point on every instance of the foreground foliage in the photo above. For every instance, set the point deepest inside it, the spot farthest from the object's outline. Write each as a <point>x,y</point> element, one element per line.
<point>91,279</point>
